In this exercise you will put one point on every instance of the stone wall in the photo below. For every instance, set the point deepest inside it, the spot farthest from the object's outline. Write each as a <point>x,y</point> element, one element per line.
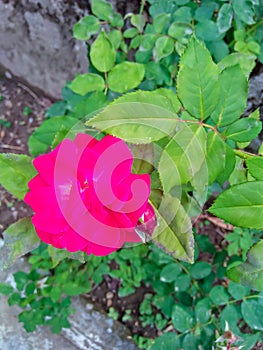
<point>36,42</point>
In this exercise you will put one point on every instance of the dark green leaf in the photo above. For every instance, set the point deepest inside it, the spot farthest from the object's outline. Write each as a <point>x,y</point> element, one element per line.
<point>252,312</point>
<point>170,272</point>
<point>168,341</point>
<point>16,171</point>
<point>204,12</point>
<point>203,311</point>
<point>207,31</point>
<point>200,270</point>
<point>237,291</point>
<point>219,295</point>
<point>182,283</point>
<point>182,319</point>
<point>231,315</point>
<point>5,288</point>
<point>43,136</point>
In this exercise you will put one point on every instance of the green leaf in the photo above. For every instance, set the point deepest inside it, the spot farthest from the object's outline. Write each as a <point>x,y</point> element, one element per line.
<point>207,31</point>
<point>139,117</point>
<point>255,167</point>
<point>200,269</point>
<point>102,9</point>
<point>252,312</point>
<point>85,83</point>
<point>167,341</point>
<point>138,21</point>
<point>16,171</point>
<point>43,136</point>
<point>182,283</point>
<point>6,289</point>
<point>126,76</point>
<point>224,18</point>
<point>130,33</point>
<point>164,46</point>
<point>230,314</point>
<point>237,291</point>
<point>19,239</point>
<point>86,27</point>
<point>204,12</point>
<point>219,49</point>
<point>245,129</point>
<point>160,22</point>
<point>183,156</point>
<point>241,205</point>
<point>250,273</point>
<point>198,91</point>
<point>215,156</point>
<point>230,161</point>
<point>179,30</point>
<point>190,341</point>
<point>219,295</point>
<point>102,53</point>
<point>170,272</point>
<point>247,62</point>
<point>115,37</point>
<point>182,2</point>
<point>244,11</point>
<point>233,96</point>
<point>182,320</point>
<point>90,105</point>
<point>57,255</point>
<point>239,173</point>
<point>173,233</point>
<point>203,311</point>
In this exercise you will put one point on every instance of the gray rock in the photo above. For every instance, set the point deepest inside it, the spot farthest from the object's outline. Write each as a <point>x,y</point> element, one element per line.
<point>36,43</point>
<point>91,329</point>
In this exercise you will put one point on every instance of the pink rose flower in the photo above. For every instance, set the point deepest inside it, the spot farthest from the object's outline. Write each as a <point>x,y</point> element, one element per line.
<point>85,197</point>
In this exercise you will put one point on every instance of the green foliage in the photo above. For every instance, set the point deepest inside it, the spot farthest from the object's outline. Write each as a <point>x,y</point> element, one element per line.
<point>19,239</point>
<point>16,171</point>
<point>241,205</point>
<point>250,273</point>
<point>192,307</point>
